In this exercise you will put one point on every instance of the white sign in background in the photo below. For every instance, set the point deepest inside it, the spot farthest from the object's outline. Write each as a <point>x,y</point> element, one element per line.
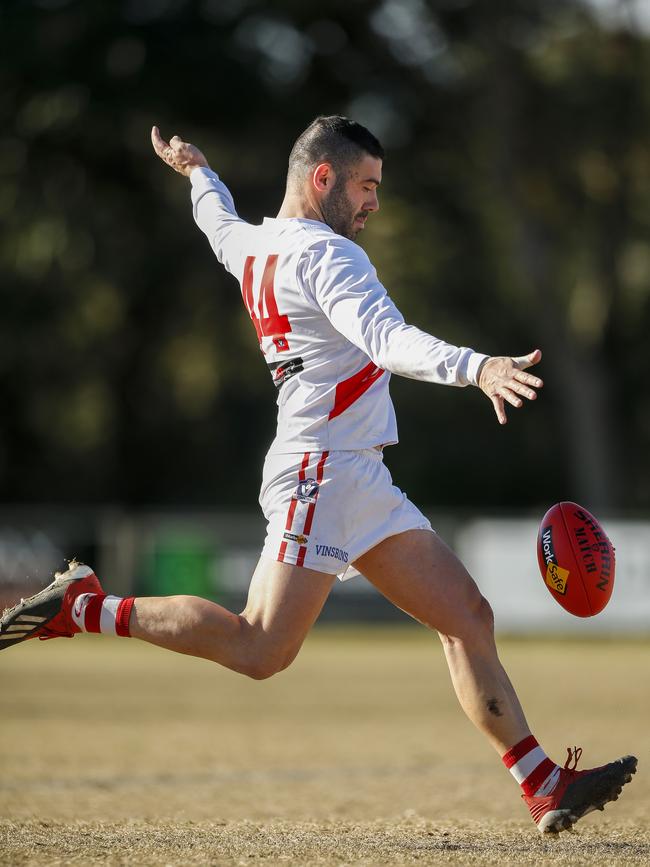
<point>501,555</point>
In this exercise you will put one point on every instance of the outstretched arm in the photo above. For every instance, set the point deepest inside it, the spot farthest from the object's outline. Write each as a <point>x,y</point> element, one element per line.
<point>503,379</point>
<point>340,279</point>
<point>213,206</point>
<point>345,286</point>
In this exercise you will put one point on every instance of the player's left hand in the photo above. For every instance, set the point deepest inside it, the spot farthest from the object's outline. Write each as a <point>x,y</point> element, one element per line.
<point>503,380</point>
<point>180,155</point>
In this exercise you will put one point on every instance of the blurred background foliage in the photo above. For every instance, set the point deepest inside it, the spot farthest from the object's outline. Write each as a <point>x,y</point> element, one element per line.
<point>515,213</point>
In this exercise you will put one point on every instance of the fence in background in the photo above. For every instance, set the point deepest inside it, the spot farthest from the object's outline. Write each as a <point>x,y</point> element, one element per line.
<point>213,554</point>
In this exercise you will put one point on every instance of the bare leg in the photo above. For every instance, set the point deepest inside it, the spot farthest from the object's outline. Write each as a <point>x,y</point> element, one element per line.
<point>423,577</point>
<point>283,603</point>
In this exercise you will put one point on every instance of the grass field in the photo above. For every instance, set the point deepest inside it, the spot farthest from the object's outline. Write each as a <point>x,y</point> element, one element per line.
<point>115,752</point>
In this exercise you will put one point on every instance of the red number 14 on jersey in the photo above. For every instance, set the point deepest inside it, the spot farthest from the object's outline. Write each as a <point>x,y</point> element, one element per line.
<point>273,325</point>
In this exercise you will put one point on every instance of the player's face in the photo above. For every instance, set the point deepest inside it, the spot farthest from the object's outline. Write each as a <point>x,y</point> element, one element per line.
<point>352,198</point>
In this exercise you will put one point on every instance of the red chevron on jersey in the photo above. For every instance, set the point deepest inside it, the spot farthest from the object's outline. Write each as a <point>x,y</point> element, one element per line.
<point>351,389</point>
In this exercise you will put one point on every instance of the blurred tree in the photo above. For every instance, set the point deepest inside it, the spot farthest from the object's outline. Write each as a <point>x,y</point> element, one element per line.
<point>514,214</point>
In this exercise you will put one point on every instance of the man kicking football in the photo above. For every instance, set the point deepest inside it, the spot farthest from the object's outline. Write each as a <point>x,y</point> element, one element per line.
<point>331,337</point>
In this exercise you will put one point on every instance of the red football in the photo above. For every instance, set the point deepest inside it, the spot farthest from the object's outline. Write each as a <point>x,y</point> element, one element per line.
<point>576,559</point>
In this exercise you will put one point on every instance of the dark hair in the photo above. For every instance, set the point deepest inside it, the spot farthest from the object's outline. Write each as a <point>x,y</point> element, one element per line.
<point>336,140</point>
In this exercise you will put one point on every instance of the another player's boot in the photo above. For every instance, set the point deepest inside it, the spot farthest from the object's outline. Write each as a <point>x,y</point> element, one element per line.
<point>48,614</point>
<point>579,792</point>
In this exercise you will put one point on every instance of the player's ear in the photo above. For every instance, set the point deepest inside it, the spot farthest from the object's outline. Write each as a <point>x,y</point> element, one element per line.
<point>323,177</point>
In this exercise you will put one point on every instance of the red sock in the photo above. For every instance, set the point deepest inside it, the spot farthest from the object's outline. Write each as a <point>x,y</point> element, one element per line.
<point>531,767</point>
<point>98,612</point>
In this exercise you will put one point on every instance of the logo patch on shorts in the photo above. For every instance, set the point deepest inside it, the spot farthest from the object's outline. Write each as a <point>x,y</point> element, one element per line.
<point>330,551</point>
<point>307,491</point>
<point>300,538</point>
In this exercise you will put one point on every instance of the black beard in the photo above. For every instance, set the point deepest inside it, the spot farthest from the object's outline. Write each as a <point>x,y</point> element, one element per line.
<point>338,211</point>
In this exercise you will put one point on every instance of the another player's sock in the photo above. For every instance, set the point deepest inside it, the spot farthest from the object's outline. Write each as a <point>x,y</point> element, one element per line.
<point>531,767</point>
<point>98,612</point>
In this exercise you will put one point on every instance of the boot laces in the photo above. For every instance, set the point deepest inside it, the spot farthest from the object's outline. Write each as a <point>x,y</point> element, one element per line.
<point>573,755</point>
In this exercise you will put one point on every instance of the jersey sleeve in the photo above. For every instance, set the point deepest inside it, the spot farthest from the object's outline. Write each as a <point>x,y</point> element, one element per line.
<point>215,214</point>
<point>344,284</point>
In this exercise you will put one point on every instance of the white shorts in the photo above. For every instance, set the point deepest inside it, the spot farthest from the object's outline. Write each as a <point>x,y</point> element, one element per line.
<point>326,509</point>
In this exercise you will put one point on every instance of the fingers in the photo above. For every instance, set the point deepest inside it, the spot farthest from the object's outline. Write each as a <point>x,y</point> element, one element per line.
<point>158,142</point>
<point>165,150</point>
<point>505,382</point>
<point>179,155</point>
<point>512,398</point>
<point>524,361</point>
<point>527,379</point>
<point>523,390</point>
<point>497,403</point>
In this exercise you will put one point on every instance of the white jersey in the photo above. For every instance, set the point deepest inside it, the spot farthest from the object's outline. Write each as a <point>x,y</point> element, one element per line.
<point>327,328</point>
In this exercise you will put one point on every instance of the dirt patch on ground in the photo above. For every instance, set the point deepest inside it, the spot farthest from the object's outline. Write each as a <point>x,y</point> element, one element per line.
<point>394,842</point>
<point>114,752</point>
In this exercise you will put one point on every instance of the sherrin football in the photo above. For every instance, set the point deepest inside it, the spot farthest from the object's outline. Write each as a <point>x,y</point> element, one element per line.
<point>576,559</point>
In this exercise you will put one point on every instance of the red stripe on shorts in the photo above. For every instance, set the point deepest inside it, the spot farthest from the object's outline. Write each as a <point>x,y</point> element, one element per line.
<point>292,507</point>
<point>312,508</point>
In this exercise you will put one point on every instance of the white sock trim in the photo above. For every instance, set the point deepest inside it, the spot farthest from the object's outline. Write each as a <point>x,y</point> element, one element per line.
<point>108,615</point>
<point>527,764</point>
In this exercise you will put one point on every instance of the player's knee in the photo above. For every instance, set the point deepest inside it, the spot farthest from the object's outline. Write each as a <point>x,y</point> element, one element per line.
<point>485,615</point>
<point>265,665</point>
<point>476,627</point>
<point>480,622</point>
<point>259,670</point>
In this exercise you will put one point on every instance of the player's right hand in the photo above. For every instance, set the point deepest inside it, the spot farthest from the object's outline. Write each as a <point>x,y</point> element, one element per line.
<point>502,379</point>
<point>179,155</point>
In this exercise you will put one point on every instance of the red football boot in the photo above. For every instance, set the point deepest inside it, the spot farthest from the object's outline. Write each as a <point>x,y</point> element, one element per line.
<point>47,614</point>
<point>579,792</point>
